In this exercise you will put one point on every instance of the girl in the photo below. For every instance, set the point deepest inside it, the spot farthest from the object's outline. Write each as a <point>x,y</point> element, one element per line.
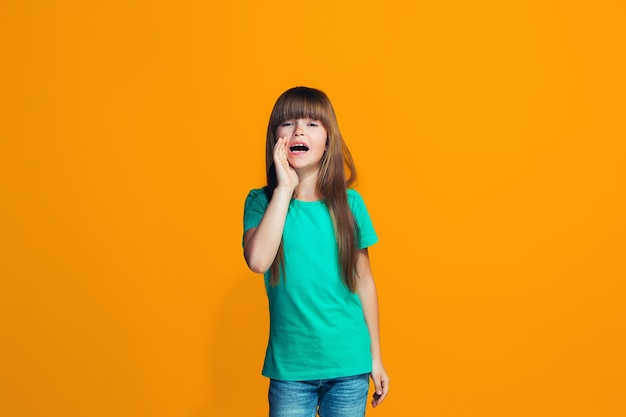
<point>309,235</point>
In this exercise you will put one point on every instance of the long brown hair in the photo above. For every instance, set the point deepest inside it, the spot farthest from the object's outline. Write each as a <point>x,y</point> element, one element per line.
<point>304,102</point>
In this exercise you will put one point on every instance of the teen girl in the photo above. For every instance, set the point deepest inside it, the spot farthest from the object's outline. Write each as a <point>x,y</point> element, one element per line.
<point>309,234</point>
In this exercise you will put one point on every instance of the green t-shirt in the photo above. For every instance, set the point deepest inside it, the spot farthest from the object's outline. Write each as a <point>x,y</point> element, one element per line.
<point>317,327</point>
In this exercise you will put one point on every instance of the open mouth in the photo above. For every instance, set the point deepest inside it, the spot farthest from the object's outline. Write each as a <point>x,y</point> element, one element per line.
<point>299,147</point>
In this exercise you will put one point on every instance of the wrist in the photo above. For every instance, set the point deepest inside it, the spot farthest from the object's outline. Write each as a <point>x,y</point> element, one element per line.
<point>282,191</point>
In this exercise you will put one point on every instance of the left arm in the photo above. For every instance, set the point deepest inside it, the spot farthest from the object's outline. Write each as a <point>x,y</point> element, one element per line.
<point>366,289</point>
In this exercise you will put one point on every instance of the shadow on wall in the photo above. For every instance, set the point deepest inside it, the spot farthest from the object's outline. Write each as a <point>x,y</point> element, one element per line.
<point>240,335</point>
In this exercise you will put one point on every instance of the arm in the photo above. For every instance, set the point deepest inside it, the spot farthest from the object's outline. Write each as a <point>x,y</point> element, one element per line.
<point>366,289</point>
<point>260,244</point>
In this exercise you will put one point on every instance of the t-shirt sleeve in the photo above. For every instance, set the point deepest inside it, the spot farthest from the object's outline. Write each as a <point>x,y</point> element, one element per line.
<point>254,208</point>
<point>367,234</point>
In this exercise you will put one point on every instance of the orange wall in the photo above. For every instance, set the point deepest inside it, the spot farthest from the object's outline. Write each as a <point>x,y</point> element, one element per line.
<point>490,138</point>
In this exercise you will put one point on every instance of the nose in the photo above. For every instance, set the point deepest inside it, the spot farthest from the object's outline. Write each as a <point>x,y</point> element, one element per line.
<point>299,128</point>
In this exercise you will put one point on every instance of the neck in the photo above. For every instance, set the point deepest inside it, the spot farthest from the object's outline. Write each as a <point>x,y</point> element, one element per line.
<point>307,188</point>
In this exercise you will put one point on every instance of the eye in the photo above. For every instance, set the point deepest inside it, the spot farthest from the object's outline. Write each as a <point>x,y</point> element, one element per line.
<point>314,124</point>
<point>285,124</point>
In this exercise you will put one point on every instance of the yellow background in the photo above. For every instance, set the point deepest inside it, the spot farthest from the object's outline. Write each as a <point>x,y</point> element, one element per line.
<point>490,139</point>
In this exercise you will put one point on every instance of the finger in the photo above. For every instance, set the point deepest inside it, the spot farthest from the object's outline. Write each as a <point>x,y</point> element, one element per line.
<point>279,151</point>
<point>379,396</point>
<point>280,143</point>
<point>281,148</point>
<point>378,385</point>
<point>277,145</point>
<point>377,399</point>
<point>385,387</point>
<point>378,391</point>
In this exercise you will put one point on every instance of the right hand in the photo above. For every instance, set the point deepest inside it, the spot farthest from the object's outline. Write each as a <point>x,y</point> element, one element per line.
<point>285,174</point>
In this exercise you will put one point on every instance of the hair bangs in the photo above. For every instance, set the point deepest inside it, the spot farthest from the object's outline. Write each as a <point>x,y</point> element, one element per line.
<point>301,103</point>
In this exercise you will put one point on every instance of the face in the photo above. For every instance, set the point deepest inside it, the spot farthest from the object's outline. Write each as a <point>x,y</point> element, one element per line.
<point>306,142</point>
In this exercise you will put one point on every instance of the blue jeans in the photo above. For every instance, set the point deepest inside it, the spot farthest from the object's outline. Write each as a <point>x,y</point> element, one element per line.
<point>337,397</point>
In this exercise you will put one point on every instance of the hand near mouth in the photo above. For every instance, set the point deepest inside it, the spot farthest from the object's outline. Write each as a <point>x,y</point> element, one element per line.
<point>285,174</point>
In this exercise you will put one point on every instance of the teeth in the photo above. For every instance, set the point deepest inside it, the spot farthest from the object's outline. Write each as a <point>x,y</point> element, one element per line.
<point>298,147</point>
